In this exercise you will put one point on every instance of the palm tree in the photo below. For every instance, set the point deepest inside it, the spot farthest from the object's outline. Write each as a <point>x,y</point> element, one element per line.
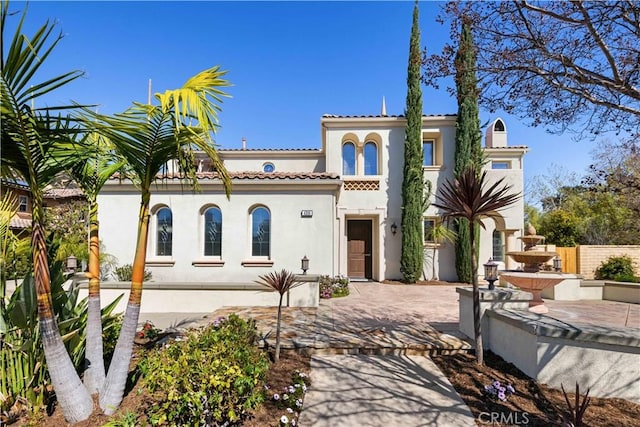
<point>147,137</point>
<point>280,282</point>
<point>34,150</point>
<point>466,197</point>
<point>90,177</point>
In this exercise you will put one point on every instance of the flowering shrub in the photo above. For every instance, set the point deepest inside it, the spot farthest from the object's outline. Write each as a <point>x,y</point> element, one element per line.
<point>291,398</point>
<point>148,331</point>
<point>209,378</point>
<point>497,391</point>
<point>334,287</point>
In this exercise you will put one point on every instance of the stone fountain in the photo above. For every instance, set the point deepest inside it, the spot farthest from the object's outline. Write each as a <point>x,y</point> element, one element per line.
<point>531,279</point>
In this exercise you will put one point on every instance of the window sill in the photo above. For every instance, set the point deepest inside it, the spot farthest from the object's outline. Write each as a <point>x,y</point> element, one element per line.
<point>431,245</point>
<point>160,262</point>
<point>257,263</point>
<point>208,263</point>
<point>433,168</point>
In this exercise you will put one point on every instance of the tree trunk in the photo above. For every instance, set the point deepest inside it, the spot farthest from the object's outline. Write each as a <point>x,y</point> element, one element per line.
<point>74,400</point>
<point>476,297</point>
<point>113,391</point>
<point>94,374</point>
<point>276,357</point>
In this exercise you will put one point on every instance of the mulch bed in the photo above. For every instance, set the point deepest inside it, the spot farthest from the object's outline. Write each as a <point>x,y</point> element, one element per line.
<point>542,405</point>
<point>266,415</point>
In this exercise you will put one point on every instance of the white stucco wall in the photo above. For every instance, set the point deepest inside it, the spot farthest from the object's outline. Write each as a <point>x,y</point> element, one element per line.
<point>292,236</point>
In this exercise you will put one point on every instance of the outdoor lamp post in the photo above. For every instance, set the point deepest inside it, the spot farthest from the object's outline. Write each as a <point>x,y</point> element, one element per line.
<point>394,228</point>
<point>557,264</point>
<point>72,263</point>
<point>491,273</point>
<point>304,264</point>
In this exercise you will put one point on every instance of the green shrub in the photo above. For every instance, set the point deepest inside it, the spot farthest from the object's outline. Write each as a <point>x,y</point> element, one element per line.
<point>211,377</point>
<point>124,273</point>
<point>334,287</point>
<point>618,268</point>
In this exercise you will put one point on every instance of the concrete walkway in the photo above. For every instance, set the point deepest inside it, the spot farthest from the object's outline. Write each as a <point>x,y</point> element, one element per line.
<point>381,391</point>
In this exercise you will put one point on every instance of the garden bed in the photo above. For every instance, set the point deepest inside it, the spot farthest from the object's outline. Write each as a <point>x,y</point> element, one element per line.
<point>543,405</point>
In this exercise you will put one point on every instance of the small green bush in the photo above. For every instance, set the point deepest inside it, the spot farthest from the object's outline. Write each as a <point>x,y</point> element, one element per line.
<point>212,377</point>
<point>334,287</point>
<point>124,273</point>
<point>618,268</point>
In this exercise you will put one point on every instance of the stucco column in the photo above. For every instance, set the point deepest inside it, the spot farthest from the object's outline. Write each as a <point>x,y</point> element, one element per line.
<point>511,244</point>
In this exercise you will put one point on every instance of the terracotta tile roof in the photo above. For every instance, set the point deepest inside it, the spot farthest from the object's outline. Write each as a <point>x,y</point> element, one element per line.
<point>378,116</point>
<point>249,175</point>
<point>63,193</point>
<point>20,220</point>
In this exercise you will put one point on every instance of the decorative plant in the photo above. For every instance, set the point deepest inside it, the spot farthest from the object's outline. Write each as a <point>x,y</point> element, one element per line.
<point>577,409</point>
<point>467,197</point>
<point>148,331</point>
<point>497,391</point>
<point>211,377</point>
<point>124,273</point>
<point>281,282</point>
<point>291,398</point>
<point>618,268</point>
<point>333,287</point>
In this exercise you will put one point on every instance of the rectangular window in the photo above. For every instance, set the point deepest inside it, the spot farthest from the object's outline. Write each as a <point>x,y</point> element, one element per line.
<point>429,225</point>
<point>22,203</point>
<point>501,164</point>
<point>427,152</point>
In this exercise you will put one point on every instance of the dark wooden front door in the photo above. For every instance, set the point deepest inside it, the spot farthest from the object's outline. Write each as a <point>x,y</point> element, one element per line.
<point>359,256</point>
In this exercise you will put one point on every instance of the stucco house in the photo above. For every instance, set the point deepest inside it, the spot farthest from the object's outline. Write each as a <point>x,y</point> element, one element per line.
<point>339,205</point>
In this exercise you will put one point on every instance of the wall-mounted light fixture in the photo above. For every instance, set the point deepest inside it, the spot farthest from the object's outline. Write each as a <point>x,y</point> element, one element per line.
<point>304,264</point>
<point>491,273</point>
<point>394,228</point>
<point>557,264</point>
<point>72,263</point>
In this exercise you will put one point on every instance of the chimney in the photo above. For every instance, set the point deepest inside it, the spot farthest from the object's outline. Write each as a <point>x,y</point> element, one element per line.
<point>383,112</point>
<point>244,143</point>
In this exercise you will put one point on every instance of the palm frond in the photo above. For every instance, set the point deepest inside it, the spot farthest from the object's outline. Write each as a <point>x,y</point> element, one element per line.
<point>279,281</point>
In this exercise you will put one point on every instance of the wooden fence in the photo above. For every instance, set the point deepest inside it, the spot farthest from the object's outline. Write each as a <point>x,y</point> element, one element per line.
<point>569,258</point>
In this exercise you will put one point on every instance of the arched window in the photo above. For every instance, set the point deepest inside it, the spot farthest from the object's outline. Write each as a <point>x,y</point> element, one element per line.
<point>498,126</point>
<point>498,245</point>
<point>260,232</point>
<point>370,158</point>
<point>164,232</point>
<point>348,158</point>
<point>213,232</point>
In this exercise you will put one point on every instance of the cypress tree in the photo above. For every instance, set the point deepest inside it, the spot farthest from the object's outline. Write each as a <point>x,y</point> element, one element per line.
<point>468,138</point>
<point>413,180</point>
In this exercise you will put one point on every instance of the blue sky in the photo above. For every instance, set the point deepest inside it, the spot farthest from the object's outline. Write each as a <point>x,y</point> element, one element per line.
<point>289,63</point>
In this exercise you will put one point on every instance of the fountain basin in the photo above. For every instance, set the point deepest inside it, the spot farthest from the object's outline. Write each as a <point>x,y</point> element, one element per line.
<point>532,259</point>
<point>534,283</point>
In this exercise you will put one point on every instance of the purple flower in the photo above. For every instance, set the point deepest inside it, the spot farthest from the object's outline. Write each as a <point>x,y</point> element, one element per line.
<point>496,384</point>
<point>501,396</point>
<point>511,389</point>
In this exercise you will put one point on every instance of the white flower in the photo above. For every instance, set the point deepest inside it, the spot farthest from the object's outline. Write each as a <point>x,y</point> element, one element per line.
<point>276,396</point>
<point>298,403</point>
<point>293,422</point>
<point>284,420</point>
<point>289,410</point>
<point>291,389</point>
<point>304,388</point>
<point>285,396</point>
